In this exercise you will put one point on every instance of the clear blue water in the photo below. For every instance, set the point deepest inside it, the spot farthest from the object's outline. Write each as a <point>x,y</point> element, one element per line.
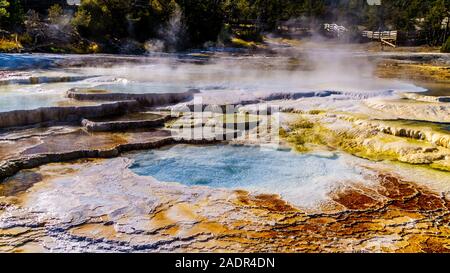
<point>300,178</point>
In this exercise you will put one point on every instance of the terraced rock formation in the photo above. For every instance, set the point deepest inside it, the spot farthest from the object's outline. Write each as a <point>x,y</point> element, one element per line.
<point>126,122</point>
<point>425,98</point>
<point>68,207</point>
<point>371,139</point>
<point>47,145</point>
<point>71,114</point>
<point>66,183</point>
<point>412,110</point>
<point>145,99</point>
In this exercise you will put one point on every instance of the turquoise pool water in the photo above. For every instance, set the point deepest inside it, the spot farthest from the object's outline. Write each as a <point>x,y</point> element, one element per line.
<point>302,179</point>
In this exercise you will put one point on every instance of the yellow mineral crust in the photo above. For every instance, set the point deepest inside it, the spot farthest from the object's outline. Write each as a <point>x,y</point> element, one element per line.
<point>100,205</point>
<point>377,140</point>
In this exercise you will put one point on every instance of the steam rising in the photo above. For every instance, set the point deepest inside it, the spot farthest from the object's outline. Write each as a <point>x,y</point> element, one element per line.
<point>297,70</point>
<point>173,34</point>
<point>230,78</point>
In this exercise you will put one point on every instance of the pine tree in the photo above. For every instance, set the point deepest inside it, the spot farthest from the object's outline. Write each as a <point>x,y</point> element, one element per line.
<point>4,4</point>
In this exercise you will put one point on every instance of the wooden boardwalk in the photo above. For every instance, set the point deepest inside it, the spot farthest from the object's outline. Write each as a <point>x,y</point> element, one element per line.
<point>385,37</point>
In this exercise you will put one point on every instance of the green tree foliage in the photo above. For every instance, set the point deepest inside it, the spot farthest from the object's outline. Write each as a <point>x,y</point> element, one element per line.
<point>433,26</point>
<point>204,20</point>
<point>425,16</point>
<point>110,18</point>
<point>446,46</point>
<point>122,18</point>
<point>55,13</point>
<point>236,10</point>
<point>11,14</point>
<point>81,19</point>
<point>3,9</point>
<point>16,15</point>
<point>148,21</point>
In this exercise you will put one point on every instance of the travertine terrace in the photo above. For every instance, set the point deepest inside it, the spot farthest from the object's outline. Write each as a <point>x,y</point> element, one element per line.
<point>365,153</point>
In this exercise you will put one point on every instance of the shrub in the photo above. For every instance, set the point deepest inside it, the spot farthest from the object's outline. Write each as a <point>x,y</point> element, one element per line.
<point>446,46</point>
<point>3,8</point>
<point>7,45</point>
<point>55,12</point>
<point>82,18</point>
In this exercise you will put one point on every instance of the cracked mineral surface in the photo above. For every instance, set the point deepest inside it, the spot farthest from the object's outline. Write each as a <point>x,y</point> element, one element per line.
<point>100,205</point>
<point>93,160</point>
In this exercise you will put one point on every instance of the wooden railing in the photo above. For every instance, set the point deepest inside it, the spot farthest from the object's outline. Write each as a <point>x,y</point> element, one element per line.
<point>385,37</point>
<point>378,35</point>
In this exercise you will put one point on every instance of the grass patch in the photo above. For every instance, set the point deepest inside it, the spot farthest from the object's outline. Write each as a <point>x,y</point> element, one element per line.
<point>9,45</point>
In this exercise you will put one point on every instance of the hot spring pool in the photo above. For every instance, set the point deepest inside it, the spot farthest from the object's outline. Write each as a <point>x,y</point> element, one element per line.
<point>302,179</point>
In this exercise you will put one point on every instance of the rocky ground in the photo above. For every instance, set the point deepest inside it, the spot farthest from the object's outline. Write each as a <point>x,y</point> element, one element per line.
<point>67,186</point>
<point>99,205</point>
